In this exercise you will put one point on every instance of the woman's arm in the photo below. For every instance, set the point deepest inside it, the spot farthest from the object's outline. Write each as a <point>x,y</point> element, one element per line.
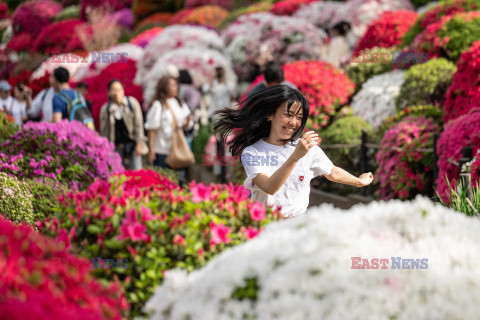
<point>341,176</point>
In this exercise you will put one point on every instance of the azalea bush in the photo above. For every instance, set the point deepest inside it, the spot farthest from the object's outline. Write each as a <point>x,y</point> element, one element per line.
<point>458,133</point>
<point>226,4</point>
<point>210,16</point>
<point>178,16</point>
<point>346,130</point>
<point>201,64</point>
<point>464,93</point>
<point>368,63</point>
<point>172,38</point>
<point>426,83</point>
<point>288,7</point>
<point>235,14</point>
<point>67,152</point>
<point>449,37</point>
<point>283,274</point>
<point>144,38</point>
<point>15,200</point>
<point>289,39</point>
<point>123,71</point>
<point>428,111</point>
<point>435,14</point>
<point>40,280</point>
<point>58,38</point>
<point>321,13</point>
<point>387,31</point>
<point>155,227</point>
<point>404,170</point>
<point>376,100</point>
<point>8,126</point>
<point>34,15</point>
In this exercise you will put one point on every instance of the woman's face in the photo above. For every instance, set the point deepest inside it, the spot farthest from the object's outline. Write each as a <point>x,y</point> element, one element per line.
<point>172,88</point>
<point>285,123</point>
<point>17,93</point>
<point>116,92</point>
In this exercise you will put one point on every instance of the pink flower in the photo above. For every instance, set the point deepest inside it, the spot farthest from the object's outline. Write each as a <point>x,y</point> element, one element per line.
<point>106,211</point>
<point>130,216</point>
<point>219,233</point>
<point>257,211</point>
<point>178,240</point>
<point>201,252</point>
<point>200,192</point>
<point>134,231</point>
<point>63,237</point>
<point>146,214</point>
<point>250,233</point>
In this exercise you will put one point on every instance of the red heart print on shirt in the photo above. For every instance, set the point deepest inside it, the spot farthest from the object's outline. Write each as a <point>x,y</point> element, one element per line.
<point>301,178</point>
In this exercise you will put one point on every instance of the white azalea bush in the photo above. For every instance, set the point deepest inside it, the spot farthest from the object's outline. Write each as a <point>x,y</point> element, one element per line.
<point>302,269</point>
<point>376,100</point>
<point>321,13</point>
<point>173,38</point>
<point>289,39</point>
<point>200,63</point>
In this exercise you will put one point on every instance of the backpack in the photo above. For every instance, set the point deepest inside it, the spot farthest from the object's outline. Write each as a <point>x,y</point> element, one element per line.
<point>78,111</point>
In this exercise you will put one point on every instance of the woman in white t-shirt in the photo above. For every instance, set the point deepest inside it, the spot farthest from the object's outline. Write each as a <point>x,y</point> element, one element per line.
<point>278,160</point>
<point>159,121</point>
<point>18,107</point>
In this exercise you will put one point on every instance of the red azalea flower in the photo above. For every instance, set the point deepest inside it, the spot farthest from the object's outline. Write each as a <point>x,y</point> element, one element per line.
<point>219,233</point>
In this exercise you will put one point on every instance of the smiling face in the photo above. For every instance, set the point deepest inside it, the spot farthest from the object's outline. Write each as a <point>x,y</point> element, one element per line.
<point>285,122</point>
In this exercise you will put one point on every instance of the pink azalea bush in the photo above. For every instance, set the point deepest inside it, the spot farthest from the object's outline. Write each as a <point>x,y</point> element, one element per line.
<point>156,228</point>
<point>387,31</point>
<point>59,37</point>
<point>67,152</point>
<point>464,93</point>
<point>40,280</point>
<point>458,133</point>
<point>405,172</point>
<point>288,7</point>
<point>34,15</point>
<point>3,11</point>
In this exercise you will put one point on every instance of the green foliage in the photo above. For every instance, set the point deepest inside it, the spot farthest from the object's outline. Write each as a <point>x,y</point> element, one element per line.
<point>420,3</point>
<point>45,197</point>
<point>15,200</point>
<point>199,142</point>
<point>426,83</point>
<point>155,228</point>
<point>461,34</point>
<point>369,63</point>
<point>258,7</point>
<point>8,127</point>
<point>346,130</point>
<point>70,12</point>
<point>249,291</point>
<point>460,201</point>
<point>428,111</point>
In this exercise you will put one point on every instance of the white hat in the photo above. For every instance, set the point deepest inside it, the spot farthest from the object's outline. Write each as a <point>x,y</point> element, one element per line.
<point>5,86</point>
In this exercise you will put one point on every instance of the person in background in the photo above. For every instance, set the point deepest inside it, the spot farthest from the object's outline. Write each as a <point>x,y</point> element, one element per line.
<point>6,100</point>
<point>121,122</point>
<point>159,121</point>
<point>59,78</point>
<point>274,75</point>
<point>191,96</point>
<point>264,58</point>
<point>221,91</point>
<point>82,88</point>
<point>22,98</point>
<point>339,51</point>
<point>42,105</point>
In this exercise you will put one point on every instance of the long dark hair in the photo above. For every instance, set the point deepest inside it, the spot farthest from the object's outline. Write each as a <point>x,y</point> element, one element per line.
<point>161,90</point>
<point>249,120</point>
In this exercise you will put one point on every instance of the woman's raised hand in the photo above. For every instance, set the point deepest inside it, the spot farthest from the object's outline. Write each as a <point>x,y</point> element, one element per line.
<point>308,141</point>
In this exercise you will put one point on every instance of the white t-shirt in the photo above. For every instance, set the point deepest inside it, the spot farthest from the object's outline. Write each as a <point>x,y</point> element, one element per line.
<point>6,104</point>
<point>43,102</point>
<point>16,108</point>
<point>293,196</point>
<point>160,119</point>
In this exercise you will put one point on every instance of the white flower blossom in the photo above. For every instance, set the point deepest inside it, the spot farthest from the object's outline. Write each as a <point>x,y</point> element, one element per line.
<point>303,269</point>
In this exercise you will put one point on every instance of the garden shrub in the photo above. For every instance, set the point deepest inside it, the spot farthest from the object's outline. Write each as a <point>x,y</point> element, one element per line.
<point>421,3</point>
<point>346,130</point>
<point>8,126</point>
<point>156,228</point>
<point>59,37</point>
<point>40,280</point>
<point>15,200</point>
<point>426,83</point>
<point>71,12</point>
<point>45,194</point>
<point>210,16</point>
<point>306,267</point>
<point>369,63</point>
<point>34,15</point>
<point>67,152</point>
